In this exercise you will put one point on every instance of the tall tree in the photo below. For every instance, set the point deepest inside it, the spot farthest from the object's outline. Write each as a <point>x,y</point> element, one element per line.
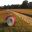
<point>25,4</point>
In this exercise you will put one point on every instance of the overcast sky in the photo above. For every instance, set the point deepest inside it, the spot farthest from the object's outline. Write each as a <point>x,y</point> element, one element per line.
<point>10,2</point>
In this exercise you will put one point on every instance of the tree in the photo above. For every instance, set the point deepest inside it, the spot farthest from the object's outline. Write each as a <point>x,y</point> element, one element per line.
<point>25,4</point>
<point>5,7</point>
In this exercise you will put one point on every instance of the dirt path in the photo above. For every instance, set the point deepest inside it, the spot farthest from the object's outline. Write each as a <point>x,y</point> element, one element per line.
<point>24,17</point>
<point>23,22</point>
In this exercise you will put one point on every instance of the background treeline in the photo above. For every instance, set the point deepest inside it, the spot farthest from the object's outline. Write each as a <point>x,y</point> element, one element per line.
<point>24,5</point>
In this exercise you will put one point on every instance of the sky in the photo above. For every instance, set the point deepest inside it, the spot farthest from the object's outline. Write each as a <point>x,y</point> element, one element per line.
<point>10,2</point>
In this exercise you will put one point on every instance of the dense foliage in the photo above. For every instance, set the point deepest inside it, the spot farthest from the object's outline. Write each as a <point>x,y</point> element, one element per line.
<point>24,5</point>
